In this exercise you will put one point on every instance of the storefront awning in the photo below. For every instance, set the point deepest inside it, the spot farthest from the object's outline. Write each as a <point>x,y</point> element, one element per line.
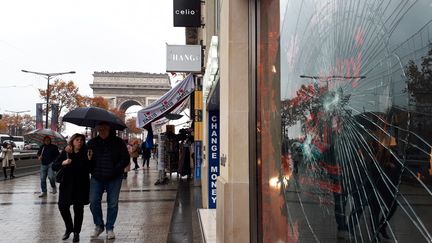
<point>168,103</point>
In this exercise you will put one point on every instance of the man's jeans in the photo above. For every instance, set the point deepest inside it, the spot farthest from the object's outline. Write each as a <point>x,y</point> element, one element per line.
<point>46,171</point>
<point>112,188</point>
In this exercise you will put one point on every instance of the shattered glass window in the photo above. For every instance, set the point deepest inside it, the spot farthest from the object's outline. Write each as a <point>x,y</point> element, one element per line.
<point>356,120</point>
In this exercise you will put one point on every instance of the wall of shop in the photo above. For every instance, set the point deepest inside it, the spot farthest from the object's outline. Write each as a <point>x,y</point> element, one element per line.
<point>207,32</point>
<point>233,183</point>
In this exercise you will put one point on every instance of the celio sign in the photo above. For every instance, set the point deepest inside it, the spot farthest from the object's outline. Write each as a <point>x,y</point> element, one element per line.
<point>187,13</point>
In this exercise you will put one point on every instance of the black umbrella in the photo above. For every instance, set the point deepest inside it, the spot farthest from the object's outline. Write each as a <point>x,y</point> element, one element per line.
<point>91,116</point>
<point>173,116</point>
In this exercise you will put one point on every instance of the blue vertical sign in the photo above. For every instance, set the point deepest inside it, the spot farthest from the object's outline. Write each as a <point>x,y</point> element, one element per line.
<point>213,156</point>
<point>198,159</point>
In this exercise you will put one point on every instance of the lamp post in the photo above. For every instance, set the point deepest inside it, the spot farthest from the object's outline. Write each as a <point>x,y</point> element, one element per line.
<point>48,76</point>
<point>16,116</point>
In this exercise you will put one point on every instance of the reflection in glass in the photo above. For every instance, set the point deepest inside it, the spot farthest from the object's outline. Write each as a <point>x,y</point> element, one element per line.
<point>356,114</point>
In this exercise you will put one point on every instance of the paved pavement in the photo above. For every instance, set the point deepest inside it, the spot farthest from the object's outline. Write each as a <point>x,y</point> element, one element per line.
<point>145,212</point>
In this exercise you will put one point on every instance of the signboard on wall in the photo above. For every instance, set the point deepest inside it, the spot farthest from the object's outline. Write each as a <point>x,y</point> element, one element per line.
<point>183,58</point>
<point>198,159</point>
<point>187,13</point>
<point>213,156</point>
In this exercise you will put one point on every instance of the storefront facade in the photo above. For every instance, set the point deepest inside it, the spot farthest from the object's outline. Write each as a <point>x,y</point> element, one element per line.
<point>325,113</point>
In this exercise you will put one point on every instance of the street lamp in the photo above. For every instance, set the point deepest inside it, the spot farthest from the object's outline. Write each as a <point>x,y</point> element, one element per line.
<point>16,115</point>
<point>327,78</point>
<point>48,76</point>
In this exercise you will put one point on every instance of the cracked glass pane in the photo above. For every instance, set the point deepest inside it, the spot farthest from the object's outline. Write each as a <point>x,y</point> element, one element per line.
<point>356,120</point>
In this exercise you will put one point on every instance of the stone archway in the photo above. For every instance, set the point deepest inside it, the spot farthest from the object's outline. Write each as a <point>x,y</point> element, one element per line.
<point>125,89</point>
<point>125,105</point>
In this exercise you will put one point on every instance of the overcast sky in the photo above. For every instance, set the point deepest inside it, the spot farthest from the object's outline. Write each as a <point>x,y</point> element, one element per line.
<point>52,36</point>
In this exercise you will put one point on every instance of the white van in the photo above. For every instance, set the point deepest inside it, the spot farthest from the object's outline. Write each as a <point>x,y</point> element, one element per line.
<point>4,137</point>
<point>19,142</point>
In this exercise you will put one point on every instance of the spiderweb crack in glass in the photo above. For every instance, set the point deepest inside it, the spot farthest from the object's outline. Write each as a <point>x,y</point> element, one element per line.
<point>356,109</point>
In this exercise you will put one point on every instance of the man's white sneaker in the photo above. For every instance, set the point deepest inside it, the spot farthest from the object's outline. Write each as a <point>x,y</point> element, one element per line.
<point>110,235</point>
<point>43,194</point>
<point>96,232</point>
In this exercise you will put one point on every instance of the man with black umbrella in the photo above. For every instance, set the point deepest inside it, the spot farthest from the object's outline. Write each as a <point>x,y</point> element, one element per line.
<point>109,157</point>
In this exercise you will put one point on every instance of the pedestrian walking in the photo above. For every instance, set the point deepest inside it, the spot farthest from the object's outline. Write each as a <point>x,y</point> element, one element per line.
<point>147,146</point>
<point>109,157</point>
<point>75,184</point>
<point>127,169</point>
<point>7,159</point>
<point>185,158</point>
<point>47,154</point>
<point>134,153</point>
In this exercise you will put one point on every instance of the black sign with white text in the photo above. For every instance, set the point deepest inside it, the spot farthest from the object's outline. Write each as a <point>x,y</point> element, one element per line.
<point>187,13</point>
<point>213,158</point>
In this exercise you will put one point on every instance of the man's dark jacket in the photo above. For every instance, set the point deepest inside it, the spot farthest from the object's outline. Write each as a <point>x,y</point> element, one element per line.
<point>110,157</point>
<point>49,153</point>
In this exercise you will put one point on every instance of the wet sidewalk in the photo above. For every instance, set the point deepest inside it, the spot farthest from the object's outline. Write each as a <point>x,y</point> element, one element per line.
<point>145,211</point>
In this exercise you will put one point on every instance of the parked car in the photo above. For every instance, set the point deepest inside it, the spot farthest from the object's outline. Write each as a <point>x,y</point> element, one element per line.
<point>9,142</point>
<point>5,137</point>
<point>32,146</point>
<point>19,142</point>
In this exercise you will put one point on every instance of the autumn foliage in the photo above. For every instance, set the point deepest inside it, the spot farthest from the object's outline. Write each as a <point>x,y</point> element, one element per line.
<point>66,95</point>
<point>131,126</point>
<point>16,124</point>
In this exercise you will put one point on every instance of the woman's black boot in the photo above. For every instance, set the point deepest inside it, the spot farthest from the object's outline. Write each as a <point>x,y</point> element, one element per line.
<point>66,235</point>
<point>76,237</point>
<point>5,173</point>
<point>11,172</point>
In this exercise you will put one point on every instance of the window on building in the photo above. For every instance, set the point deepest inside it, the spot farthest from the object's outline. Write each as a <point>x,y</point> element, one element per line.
<point>348,154</point>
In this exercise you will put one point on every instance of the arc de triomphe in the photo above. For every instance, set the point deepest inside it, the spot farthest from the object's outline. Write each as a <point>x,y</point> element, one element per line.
<point>125,89</point>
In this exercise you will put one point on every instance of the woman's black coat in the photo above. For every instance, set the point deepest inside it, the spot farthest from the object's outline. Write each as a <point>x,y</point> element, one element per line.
<point>75,187</point>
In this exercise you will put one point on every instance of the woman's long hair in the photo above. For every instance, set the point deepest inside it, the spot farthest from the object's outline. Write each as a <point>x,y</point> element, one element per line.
<point>75,136</point>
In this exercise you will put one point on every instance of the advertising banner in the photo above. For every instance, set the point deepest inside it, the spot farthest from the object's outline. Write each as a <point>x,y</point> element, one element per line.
<point>187,13</point>
<point>183,58</point>
<point>54,116</point>
<point>167,103</point>
<point>213,156</point>
<point>39,119</point>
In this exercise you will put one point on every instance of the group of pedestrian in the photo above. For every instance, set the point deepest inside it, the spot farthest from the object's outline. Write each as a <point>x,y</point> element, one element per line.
<point>135,150</point>
<point>105,158</point>
<point>144,149</point>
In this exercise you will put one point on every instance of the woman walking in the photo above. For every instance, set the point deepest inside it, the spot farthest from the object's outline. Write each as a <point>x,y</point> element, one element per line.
<point>75,184</point>
<point>8,159</point>
<point>134,153</point>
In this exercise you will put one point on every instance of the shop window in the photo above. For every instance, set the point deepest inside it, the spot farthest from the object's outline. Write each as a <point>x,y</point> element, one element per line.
<point>345,120</point>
